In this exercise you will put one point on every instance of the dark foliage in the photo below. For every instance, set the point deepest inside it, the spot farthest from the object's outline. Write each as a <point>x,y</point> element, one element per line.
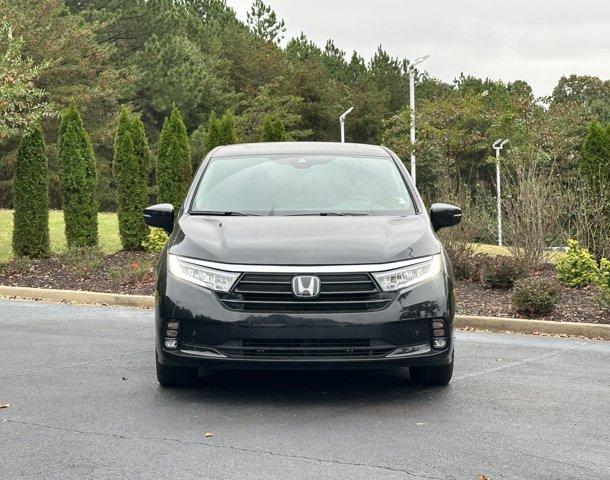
<point>174,169</point>
<point>78,180</point>
<point>31,197</point>
<point>534,296</point>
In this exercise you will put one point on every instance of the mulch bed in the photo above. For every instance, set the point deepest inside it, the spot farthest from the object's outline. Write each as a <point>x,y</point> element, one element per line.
<point>574,305</point>
<point>122,272</point>
<point>134,273</point>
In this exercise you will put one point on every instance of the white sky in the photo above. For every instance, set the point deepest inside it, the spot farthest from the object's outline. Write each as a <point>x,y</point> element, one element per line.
<point>533,40</point>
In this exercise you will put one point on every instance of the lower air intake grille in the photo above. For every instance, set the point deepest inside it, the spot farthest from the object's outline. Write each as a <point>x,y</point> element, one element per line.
<point>306,348</point>
<point>339,292</point>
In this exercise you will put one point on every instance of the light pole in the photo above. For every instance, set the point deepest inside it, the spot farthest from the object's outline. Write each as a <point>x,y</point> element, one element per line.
<point>342,123</point>
<point>499,145</point>
<point>412,105</point>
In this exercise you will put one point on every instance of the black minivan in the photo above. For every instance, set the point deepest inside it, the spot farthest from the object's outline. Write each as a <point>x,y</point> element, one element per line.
<point>303,255</point>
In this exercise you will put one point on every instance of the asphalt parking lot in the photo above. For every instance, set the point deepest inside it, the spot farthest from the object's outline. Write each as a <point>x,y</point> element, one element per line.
<point>85,403</point>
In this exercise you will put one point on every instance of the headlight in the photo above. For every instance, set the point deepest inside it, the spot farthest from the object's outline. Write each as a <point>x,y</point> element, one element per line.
<point>407,276</point>
<point>206,277</point>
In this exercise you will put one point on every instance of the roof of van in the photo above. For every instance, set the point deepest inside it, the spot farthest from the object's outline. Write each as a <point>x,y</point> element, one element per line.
<point>274,148</point>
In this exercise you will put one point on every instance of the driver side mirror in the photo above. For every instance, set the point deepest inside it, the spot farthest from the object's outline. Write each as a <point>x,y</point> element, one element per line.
<point>444,215</point>
<point>160,216</point>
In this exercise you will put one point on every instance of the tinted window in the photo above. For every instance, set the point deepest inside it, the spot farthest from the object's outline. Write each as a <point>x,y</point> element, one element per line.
<point>303,184</point>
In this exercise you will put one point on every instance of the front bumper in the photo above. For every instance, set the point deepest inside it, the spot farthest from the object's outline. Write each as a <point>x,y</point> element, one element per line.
<point>206,326</point>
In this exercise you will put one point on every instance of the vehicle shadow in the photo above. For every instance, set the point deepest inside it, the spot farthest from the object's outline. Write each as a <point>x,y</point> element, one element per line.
<point>362,387</point>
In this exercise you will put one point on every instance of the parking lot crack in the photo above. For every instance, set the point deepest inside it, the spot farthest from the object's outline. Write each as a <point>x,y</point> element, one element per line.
<point>255,451</point>
<point>517,363</point>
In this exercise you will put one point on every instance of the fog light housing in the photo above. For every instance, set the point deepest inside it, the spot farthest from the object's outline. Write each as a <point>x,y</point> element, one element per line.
<point>438,324</point>
<point>171,343</point>
<point>439,343</point>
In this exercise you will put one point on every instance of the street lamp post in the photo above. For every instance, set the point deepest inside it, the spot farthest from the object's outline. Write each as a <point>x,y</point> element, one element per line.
<point>499,145</point>
<point>342,123</point>
<point>412,105</point>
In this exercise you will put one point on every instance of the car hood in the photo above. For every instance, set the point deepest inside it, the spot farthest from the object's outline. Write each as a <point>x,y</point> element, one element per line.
<point>304,240</point>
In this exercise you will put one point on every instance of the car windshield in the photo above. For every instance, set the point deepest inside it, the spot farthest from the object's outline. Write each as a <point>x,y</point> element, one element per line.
<point>299,184</point>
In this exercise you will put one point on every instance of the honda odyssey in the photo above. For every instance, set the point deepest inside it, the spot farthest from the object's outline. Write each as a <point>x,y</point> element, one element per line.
<point>303,256</point>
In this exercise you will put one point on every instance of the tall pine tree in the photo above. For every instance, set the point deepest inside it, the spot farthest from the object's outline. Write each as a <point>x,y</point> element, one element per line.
<point>130,180</point>
<point>174,169</point>
<point>79,180</point>
<point>31,197</point>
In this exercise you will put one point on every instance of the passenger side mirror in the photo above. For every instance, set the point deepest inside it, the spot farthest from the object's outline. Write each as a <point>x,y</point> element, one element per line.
<point>444,215</point>
<point>160,216</point>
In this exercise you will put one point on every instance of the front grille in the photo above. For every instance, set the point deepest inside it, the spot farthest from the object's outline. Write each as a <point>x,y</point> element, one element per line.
<point>306,348</point>
<point>339,292</point>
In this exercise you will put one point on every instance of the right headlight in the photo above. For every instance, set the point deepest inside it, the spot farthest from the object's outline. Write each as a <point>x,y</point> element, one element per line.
<point>199,275</point>
<point>410,275</point>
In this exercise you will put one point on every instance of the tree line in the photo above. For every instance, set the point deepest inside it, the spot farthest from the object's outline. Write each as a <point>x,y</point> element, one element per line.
<point>238,81</point>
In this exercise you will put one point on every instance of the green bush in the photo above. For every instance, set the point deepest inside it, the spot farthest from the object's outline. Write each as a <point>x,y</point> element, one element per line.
<point>534,296</point>
<point>500,272</point>
<point>79,180</point>
<point>130,178</point>
<point>31,197</point>
<point>578,267</point>
<point>272,130</point>
<point>174,169</point>
<point>157,238</point>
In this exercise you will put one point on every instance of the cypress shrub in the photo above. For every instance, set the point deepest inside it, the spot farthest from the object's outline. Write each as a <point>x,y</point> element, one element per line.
<point>214,135</point>
<point>31,197</point>
<point>140,146</point>
<point>221,131</point>
<point>79,180</point>
<point>130,181</point>
<point>228,136</point>
<point>174,169</point>
<point>595,155</point>
<point>272,130</point>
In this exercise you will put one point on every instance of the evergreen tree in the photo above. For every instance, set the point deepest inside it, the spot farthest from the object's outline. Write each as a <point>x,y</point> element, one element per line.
<point>79,180</point>
<point>214,136</point>
<point>141,147</point>
<point>174,169</point>
<point>595,156</point>
<point>221,131</point>
<point>130,181</point>
<point>272,130</point>
<point>227,129</point>
<point>31,197</point>
<point>263,22</point>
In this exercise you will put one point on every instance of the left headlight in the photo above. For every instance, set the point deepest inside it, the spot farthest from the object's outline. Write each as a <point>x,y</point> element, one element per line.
<point>406,276</point>
<point>203,276</point>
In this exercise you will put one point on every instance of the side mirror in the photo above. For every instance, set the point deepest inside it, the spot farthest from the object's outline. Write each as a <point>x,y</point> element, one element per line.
<point>160,216</point>
<point>444,215</point>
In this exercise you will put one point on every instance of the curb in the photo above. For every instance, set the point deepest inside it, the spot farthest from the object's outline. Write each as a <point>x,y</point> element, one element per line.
<point>78,296</point>
<point>493,324</point>
<point>523,325</point>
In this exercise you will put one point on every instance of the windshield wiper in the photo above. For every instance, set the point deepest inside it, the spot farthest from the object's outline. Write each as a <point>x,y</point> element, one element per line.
<point>225,214</point>
<point>330,214</point>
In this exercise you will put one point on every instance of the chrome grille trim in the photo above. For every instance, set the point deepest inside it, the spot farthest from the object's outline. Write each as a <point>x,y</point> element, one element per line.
<point>296,269</point>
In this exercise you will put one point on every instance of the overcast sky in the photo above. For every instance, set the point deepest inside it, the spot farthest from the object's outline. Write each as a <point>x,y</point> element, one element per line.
<point>533,40</point>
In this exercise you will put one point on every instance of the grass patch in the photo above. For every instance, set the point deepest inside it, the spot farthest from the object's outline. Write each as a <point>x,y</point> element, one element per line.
<point>108,233</point>
<point>497,250</point>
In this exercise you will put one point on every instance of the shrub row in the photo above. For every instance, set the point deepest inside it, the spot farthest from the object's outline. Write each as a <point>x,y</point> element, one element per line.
<point>131,166</point>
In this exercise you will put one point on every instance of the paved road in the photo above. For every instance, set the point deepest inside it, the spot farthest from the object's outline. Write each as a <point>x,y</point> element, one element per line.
<point>84,403</point>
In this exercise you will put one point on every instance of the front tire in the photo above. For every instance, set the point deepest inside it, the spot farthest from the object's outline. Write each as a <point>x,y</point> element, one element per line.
<point>432,375</point>
<point>172,376</point>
